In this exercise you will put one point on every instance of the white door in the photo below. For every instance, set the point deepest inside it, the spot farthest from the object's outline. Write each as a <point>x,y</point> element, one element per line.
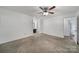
<point>73,22</point>
<point>70,27</point>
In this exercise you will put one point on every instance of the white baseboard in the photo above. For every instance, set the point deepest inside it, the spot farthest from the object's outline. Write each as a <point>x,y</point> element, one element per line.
<point>16,38</point>
<point>24,36</point>
<point>61,36</point>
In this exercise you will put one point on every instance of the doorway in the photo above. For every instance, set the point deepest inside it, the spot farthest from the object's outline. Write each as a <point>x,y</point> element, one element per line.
<point>70,27</point>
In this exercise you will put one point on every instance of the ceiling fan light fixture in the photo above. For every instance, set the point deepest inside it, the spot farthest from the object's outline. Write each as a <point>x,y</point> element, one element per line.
<point>47,10</point>
<point>45,13</point>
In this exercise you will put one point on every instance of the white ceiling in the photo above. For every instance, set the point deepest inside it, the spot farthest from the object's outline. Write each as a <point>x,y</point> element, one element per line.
<point>33,10</point>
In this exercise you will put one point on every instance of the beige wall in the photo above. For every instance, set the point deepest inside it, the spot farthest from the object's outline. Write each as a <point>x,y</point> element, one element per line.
<point>54,26</point>
<point>14,25</point>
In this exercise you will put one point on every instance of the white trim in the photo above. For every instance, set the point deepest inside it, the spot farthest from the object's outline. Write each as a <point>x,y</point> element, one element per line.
<point>17,38</point>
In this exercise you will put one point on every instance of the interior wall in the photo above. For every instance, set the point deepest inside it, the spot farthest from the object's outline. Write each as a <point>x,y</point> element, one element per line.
<point>14,25</point>
<point>67,27</point>
<point>54,26</point>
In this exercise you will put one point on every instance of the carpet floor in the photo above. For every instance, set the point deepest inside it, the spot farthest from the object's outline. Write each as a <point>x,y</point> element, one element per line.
<point>40,43</point>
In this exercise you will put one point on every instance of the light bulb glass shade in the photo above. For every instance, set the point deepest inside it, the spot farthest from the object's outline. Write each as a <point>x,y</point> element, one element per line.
<point>45,13</point>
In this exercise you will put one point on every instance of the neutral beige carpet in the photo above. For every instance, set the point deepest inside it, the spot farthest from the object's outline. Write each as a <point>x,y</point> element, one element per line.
<point>40,43</point>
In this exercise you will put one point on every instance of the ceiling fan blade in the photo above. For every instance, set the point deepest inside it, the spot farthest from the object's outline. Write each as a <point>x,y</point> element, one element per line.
<point>41,8</point>
<point>44,9</point>
<point>51,12</point>
<point>52,8</point>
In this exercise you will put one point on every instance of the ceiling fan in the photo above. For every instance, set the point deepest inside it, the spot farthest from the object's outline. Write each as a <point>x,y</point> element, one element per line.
<point>47,10</point>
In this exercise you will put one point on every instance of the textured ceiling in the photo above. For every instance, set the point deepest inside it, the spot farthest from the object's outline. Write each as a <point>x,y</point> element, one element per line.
<point>33,10</point>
